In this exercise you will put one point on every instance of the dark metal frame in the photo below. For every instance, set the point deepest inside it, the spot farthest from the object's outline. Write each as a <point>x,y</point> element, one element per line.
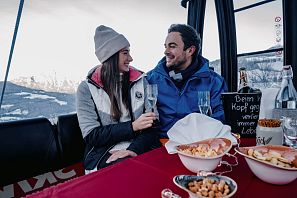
<point>226,24</point>
<point>196,13</point>
<point>17,23</point>
<point>228,46</point>
<point>261,52</point>
<point>227,34</point>
<point>290,35</point>
<point>253,5</point>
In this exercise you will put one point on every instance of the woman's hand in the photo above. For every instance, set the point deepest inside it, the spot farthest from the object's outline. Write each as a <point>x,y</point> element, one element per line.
<point>144,121</point>
<point>120,154</point>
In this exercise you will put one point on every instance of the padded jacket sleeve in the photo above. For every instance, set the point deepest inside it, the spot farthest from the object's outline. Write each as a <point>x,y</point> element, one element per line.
<point>110,134</point>
<point>145,141</point>
<point>92,131</point>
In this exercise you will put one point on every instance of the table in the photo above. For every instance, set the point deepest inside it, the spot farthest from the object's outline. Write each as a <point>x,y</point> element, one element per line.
<point>147,175</point>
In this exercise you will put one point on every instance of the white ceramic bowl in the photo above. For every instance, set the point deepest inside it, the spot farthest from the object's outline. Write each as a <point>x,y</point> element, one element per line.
<point>182,182</point>
<point>268,172</point>
<point>196,163</point>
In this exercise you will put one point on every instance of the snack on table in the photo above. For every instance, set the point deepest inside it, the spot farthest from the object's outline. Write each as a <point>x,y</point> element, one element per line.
<point>269,122</point>
<point>203,155</point>
<point>272,157</point>
<point>206,186</point>
<point>273,164</point>
<point>209,188</point>
<point>212,148</point>
<point>202,150</point>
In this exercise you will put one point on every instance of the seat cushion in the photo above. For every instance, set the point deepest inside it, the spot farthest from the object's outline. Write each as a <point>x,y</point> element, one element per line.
<point>27,148</point>
<point>71,140</point>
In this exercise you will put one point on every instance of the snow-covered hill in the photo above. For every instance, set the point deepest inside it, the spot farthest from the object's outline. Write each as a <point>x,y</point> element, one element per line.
<point>263,70</point>
<point>35,96</point>
<point>47,83</point>
<point>21,102</point>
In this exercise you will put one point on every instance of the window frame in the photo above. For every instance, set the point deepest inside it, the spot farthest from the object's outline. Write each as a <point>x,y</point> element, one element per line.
<point>227,34</point>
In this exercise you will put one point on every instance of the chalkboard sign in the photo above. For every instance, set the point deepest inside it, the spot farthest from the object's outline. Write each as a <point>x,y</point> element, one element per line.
<point>242,112</point>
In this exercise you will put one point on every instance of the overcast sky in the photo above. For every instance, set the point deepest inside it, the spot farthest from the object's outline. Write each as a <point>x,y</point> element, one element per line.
<point>56,36</point>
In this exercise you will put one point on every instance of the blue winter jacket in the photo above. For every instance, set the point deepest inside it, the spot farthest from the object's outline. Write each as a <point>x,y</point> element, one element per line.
<point>174,104</point>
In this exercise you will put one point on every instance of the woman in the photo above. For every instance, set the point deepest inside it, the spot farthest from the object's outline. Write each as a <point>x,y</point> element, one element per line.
<point>110,105</point>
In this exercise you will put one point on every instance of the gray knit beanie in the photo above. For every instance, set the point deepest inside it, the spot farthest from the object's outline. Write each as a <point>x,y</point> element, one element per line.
<point>108,42</point>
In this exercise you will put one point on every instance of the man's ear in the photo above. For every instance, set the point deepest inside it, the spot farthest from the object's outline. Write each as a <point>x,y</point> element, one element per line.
<point>192,50</point>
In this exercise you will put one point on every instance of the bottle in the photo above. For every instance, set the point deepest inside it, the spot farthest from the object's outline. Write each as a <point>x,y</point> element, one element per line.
<point>243,83</point>
<point>286,96</point>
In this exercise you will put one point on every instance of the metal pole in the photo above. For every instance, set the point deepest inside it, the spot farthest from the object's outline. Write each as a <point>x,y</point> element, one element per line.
<point>12,48</point>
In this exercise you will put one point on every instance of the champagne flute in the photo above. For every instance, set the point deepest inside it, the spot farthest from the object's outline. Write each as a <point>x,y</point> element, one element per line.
<point>204,102</point>
<point>152,95</point>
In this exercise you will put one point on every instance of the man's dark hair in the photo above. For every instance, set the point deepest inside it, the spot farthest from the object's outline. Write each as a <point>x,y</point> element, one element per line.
<point>189,36</point>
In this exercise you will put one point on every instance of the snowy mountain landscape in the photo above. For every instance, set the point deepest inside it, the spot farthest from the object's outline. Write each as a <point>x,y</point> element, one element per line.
<point>263,70</point>
<point>29,97</point>
<point>22,102</point>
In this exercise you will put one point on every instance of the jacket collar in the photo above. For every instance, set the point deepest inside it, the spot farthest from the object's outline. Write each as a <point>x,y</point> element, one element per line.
<point>94,75</point>
<point>202,72</point>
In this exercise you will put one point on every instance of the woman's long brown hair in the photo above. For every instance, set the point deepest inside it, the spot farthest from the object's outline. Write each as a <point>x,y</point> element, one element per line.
<point>111,80</point>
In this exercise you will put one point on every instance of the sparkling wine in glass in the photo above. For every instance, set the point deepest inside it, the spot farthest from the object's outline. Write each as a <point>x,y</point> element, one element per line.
<point>204,102</point>
<point>152,102</point>
<point>152,95</point>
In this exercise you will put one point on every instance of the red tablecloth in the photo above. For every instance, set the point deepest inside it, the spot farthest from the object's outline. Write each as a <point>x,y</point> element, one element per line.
<point>147,175</point>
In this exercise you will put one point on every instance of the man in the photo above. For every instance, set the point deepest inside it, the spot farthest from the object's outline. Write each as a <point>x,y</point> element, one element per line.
<point>180,75</point>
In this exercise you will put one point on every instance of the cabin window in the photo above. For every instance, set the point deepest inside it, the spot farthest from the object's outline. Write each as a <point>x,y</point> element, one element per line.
<point>211,46</point>
<point>54,49</point>
<point>259,30</point>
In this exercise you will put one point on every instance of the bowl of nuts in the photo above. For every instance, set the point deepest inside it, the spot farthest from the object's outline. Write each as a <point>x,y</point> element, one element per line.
<point>206,186</point>
<point>273,164</point>
<point>204,155</point>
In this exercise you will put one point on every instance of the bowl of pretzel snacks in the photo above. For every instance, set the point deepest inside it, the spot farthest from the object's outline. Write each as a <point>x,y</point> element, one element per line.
<point>206,186</point>
<point>269,131</point>
<point>271,163</point>
<point>203,155</point>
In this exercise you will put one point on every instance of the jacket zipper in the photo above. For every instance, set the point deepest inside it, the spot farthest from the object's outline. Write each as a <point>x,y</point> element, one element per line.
<point>129,98</point>
<point>103,155</point>
<point>184,88</point>
<point>89,152</point>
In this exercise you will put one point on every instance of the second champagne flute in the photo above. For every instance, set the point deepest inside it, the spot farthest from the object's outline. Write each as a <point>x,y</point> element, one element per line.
<point>204,102</point>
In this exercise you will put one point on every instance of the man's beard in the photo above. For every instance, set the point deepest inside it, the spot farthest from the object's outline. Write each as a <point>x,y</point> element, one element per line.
<point>177,66</point>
